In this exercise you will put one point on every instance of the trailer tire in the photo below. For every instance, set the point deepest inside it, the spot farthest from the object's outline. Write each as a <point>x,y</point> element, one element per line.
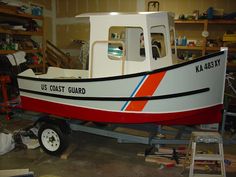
<point>52,139</point>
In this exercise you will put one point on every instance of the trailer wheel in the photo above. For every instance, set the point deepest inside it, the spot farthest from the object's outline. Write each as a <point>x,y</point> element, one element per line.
<point>52,140</point>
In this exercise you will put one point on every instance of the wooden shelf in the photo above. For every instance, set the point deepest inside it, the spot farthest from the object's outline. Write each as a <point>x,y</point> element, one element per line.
<point>36,66</point>
<point>217,21</point>
<point>5,52</point>
<point>218,49</point>
<point>222,21</point>
<point>21,32</point>
<point>201,48</point>
<point>231,67</point>
<point>212,48</point>
<point>13,12</point>
<point>190,21</point>
<point>205,24</point>
<point>231,64</point>
<point>188,47</point>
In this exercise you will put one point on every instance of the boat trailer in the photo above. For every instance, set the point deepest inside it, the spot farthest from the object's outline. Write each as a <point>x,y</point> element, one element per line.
<point>54,132</point>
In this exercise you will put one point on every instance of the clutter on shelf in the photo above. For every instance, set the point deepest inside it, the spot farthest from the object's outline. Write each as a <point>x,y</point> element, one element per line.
<point>210,30</point>
<point>21,29</point>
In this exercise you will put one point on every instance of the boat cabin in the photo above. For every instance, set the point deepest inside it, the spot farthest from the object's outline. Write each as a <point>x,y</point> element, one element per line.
<point>122,44</point>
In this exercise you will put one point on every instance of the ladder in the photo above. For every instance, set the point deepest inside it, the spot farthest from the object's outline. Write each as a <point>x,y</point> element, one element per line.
<point>207,138</point>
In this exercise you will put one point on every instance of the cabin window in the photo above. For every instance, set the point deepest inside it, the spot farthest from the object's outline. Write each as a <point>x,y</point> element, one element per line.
<point>158,42</point>
<point>125,42</point>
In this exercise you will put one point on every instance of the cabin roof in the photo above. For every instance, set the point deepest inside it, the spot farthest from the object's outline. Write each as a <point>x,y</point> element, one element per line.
<point>119,14</point>
<point>129,18</point>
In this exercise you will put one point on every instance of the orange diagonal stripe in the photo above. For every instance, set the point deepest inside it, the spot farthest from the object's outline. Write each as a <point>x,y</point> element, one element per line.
<point>147,89</point>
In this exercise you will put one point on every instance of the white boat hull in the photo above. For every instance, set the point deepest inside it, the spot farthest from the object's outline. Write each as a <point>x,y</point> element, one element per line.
<point>187,93</point>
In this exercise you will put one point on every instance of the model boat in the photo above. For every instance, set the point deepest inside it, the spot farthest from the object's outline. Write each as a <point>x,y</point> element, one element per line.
<point>133,77</point>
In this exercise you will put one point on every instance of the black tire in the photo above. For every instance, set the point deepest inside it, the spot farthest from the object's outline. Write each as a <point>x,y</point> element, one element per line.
<point>52,139</point>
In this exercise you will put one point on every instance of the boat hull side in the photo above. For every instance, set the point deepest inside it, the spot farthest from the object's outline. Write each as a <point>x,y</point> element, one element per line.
<point>212,114</point>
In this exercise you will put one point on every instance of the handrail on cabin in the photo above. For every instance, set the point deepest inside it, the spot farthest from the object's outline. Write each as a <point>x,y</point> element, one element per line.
<point>111,42</point>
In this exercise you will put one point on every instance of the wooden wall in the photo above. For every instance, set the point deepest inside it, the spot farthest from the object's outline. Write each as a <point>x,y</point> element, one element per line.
<point>66,34</point>
<point>71,8</point>
<point>45,3</point>
<point>48,28</point>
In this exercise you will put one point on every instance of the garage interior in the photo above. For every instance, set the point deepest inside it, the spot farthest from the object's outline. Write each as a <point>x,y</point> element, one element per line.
<point>41,34</point>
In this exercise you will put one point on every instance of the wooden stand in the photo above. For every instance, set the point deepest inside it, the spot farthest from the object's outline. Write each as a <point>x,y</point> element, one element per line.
<point>72,147</point>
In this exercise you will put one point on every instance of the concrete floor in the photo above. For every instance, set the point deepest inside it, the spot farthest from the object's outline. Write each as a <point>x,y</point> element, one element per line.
<point>95,156</point>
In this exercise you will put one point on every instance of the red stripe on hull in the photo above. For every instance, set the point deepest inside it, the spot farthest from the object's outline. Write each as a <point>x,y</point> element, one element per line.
<point>201,116</point>
<point>147,89</point>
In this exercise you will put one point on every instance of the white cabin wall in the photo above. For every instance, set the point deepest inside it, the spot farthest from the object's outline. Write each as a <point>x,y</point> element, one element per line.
<point>133,52</point>
<point>100,65</point>
<point>164,29</point>
<point>99,55</point>
<point>133,42</point>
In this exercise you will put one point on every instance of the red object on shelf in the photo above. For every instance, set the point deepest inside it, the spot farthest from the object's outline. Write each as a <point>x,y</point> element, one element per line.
<point>36,59</point>
<point>4,80</point>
